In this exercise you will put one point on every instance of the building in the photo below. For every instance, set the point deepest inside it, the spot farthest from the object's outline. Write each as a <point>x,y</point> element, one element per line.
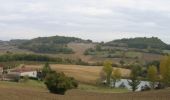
<point>24,71</point>
<point>1,70</point>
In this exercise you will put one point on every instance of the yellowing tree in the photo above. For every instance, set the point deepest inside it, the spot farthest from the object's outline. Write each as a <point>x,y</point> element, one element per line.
<point>116,76</point>
<point>107,68</point>
<point>152,75</point>
<point>165,70</point>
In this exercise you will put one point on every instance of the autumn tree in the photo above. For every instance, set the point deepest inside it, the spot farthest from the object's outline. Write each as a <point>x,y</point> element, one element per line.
<point>152,75</point>
<point>107,68</point>
<point>134,81</point>
<point>165,70</point>
<point>116,76</point>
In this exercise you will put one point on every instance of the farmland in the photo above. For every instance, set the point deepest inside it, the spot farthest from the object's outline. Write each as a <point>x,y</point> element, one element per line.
<point>27,91</point>
<point>85,74</point>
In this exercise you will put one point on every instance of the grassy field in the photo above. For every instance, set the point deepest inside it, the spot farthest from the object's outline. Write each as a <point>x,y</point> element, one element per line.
<point>97,89</point>
<point>27,91</point>
<point>85,74</point>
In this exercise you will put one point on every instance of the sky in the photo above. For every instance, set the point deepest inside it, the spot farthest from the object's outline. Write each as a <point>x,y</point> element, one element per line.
<point>99,20</point>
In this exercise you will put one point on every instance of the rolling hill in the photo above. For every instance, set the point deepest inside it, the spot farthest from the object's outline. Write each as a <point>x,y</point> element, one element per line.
<point>140,43</point>
<point>54,44</point>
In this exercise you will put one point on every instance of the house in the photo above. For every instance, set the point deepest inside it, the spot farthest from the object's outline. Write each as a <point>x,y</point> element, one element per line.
<point>1,70</point>
<point>1,73</point>
<point>24,71</point>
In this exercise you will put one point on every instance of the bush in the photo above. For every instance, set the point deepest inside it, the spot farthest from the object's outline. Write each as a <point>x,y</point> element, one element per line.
<point>58,83</point>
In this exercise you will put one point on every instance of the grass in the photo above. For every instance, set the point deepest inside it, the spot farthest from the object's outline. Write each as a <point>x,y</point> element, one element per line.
<point>132,54</point>
<point>32,84</point>
<point>27,91</point>
<point>167,51</point>
<point>98,89</point>
<point>84,74</point>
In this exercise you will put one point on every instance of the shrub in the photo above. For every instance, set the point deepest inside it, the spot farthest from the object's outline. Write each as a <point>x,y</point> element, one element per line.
<point>58,83</point>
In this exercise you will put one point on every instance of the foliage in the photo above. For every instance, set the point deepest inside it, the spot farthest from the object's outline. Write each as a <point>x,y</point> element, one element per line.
<point>134,78</point>
<point>46,70</point>
<point>54,44</point>
<point>25,78</point>
<point>116,76</point>
<point>59,83</point>
<point>165,70</point>
<point>8,58</point>
<point>25,57</point>
<point>108,71</point>
<point>141,43</point>
<point>152,75</point>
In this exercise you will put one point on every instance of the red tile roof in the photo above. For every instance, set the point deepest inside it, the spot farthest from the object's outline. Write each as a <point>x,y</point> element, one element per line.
<point>23,69</point>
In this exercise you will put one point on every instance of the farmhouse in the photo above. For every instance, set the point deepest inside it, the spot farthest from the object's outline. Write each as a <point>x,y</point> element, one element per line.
<point>1,70</point>
<point>23,71</point>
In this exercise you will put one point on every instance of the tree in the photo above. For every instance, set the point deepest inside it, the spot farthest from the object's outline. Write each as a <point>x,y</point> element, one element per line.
<point>46,69</point>
<point>134,78</point>
<point>152,75</point>
<point>108,71</point>
<point>122,62</point>
<point>98,48</point>
<point>165,70</point>
<point>116,76</point>
<point>59,83</point>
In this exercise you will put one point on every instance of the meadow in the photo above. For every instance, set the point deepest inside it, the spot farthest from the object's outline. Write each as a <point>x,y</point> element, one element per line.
<point>84,74</point>
<point>33,90</point>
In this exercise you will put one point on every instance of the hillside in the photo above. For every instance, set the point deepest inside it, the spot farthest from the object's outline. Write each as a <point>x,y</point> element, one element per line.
<point>140,43</point>
<point>54,44</point>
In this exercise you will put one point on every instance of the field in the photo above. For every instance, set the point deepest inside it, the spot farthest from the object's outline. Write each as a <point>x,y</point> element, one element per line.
<point>85,74</point>
<point>27,91</point>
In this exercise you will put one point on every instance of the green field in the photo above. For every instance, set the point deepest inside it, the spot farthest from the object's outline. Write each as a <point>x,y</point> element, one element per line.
<point>34,90</point>
<point>92,88</point>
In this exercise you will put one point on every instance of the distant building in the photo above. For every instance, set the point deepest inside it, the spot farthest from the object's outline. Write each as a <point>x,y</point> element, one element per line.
<point>1,70</point>
<point>24,71</point>
<point>1,73</point>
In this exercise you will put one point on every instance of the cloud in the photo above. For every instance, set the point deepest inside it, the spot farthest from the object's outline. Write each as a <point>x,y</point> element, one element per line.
<point>95,19</point>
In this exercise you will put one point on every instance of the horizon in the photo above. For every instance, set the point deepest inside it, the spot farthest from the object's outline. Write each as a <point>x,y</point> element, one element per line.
<point>85,38</point>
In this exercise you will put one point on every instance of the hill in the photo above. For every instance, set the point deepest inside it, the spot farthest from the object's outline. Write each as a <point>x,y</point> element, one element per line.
<point>54,44</point>
<point>140,43</point>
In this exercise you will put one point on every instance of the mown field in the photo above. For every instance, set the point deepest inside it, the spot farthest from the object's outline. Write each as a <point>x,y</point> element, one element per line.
<point>37,91</point>
<point>85,74</point>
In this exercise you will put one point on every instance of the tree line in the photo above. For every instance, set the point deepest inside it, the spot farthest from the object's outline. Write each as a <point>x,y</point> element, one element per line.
<point>158,78</point>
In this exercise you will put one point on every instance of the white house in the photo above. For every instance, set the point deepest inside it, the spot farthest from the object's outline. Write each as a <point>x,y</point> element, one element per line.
<point>24,71</point>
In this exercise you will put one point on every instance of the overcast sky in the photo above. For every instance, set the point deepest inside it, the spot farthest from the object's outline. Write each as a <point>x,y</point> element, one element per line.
<point>99,20</point>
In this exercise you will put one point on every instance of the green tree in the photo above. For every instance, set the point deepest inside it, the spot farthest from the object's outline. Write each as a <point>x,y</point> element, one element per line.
<point>59,83</point>
<point>165,70</point>
<point>46,69</point>
<point>98,48</point>
<point>152,75</point>
<point>116,76</point>
<point>122,62</point>
<point>108,71</point>
<point>134,78</point>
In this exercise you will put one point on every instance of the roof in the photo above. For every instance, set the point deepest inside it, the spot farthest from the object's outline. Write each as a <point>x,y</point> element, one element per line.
<point>23,69</point>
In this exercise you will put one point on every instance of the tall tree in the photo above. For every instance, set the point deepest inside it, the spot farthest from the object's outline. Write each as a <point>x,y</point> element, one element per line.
<point>165,70</point>
<point>152,75</point>
<point>107,68</point>
<point>134,78</point>
<point>46,69</point>
<point>116,76</point>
